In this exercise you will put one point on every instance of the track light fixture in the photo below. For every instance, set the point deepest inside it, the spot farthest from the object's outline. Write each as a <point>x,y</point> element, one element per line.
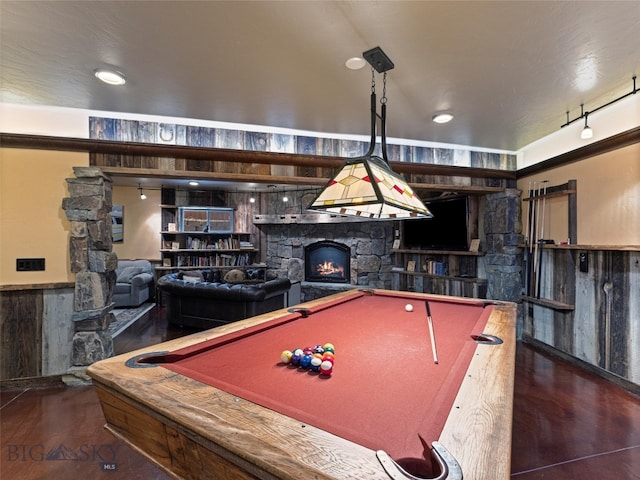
<point>587,132</point>
<point>142,195</point>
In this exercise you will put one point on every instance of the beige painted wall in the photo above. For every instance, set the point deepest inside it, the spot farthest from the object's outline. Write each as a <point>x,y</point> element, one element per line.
<point>608,199</point>
<point>32,222</point>
<point>141,224</point>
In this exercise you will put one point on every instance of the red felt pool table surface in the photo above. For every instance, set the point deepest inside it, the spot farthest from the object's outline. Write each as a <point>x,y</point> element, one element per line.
<point>385,391</point>
<point>384,372</point>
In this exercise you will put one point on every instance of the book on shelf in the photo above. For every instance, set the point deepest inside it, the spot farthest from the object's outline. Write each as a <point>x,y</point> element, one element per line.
<point>433,267</point>
<point>175,245</point>
<point>171,227</point>
<point>166,262</point>
<point>411,266</point>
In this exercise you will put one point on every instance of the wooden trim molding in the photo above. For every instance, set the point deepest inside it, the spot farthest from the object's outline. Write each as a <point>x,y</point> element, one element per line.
<point>596,370</point>
<point>36,286</point>
<point>614,142</point>
<point>41,142</point>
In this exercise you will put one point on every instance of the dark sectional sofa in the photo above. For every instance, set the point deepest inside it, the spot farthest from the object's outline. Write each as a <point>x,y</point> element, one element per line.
<point>204,300</point>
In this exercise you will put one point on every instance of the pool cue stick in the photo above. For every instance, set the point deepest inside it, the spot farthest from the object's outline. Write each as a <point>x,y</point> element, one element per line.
<point>527,247</point>
<point>532,234</point>
<point>541,240</point>
<point>535,242</point>
<point>433,337</point>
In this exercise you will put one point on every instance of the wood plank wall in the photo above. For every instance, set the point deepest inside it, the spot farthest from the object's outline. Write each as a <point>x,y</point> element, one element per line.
<point>36,330</point>
<point>21,315</point>
<point>604,328</point>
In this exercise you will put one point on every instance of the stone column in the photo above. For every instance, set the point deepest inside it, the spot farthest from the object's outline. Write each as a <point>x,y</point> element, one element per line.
<point>503,232</point>
<point>88,209</point>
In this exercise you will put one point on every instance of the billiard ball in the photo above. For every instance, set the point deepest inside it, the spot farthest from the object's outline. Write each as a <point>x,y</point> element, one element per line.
<point>285,356</point>
<point>328,356</point>
<point>318,349</point>
<point>305,361</point>
<point>329,346</point>
<point>408,307</point>
<point>295,359</point>
<point>298,351</point>
<point>326,367</point>
<point>315,364</point>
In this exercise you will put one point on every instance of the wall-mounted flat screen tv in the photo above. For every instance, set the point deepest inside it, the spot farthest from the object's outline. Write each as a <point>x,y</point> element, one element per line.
<point>447,230</point>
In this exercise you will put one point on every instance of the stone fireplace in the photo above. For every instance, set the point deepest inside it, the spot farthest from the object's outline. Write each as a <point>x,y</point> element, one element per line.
<point>285,239</point>
<point>327,261</point>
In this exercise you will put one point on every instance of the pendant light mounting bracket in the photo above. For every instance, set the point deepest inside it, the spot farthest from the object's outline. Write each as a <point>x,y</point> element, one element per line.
<point>378,60</point>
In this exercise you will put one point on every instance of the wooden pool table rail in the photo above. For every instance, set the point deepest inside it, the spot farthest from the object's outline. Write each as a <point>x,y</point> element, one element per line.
<point>192,430</point>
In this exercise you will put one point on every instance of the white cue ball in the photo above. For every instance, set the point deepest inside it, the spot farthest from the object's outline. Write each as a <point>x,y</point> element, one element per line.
<point>408,307</point>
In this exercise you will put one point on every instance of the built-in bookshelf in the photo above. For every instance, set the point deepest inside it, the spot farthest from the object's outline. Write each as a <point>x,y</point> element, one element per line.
<point>438,271</point>
<point>200,249</point>
<point>201,237</point>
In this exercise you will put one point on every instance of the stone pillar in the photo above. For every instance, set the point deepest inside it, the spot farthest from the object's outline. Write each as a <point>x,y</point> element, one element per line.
<point>503,232</point>
<point>88,209</point>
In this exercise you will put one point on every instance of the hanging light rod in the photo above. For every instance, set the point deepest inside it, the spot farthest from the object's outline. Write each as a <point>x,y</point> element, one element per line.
<point>584,114</point>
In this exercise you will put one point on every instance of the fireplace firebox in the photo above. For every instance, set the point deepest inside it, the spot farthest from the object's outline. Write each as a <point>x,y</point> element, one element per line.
<point>327,261</point>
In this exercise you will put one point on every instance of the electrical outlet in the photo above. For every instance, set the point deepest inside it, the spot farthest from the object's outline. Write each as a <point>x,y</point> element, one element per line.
<point>29,264</point>
<point>584,262</point>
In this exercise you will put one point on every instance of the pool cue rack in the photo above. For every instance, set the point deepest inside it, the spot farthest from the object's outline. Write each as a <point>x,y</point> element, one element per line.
<point>535,242</point>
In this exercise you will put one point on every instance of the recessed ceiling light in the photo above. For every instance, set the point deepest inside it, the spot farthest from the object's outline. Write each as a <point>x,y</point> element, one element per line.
<point>111,77</point>
<point>442,117</point>
<point>193,183</point>
<point>355,63</point>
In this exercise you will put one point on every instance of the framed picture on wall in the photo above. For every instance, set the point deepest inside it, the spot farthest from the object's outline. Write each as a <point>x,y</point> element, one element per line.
<point>117,223</point>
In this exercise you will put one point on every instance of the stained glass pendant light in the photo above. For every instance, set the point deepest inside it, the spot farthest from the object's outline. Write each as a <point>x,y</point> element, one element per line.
<point>366,186</point>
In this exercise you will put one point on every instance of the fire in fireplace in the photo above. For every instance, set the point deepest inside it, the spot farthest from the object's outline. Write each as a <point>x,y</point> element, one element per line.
<point>327,261</point>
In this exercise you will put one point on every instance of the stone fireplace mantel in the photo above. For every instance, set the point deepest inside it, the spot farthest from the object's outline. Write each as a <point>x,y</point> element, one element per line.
<point>306,218</point>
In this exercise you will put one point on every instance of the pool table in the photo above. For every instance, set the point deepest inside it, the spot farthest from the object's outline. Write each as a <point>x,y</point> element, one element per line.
<point>222,404</point>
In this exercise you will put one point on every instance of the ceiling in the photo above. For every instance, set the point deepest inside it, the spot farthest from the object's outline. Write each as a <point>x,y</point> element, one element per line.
<point>508,71</point>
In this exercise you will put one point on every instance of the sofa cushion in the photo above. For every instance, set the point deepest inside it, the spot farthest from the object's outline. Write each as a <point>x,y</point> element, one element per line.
<point>253,274</point>
<point>212,276</point>
<point>234,276</point>
<point>128,273</point>
<point>191,276</point>
<point>122,288</point>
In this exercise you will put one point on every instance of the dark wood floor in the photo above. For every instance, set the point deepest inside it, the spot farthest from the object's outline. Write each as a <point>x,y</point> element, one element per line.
<point>568,424</point>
